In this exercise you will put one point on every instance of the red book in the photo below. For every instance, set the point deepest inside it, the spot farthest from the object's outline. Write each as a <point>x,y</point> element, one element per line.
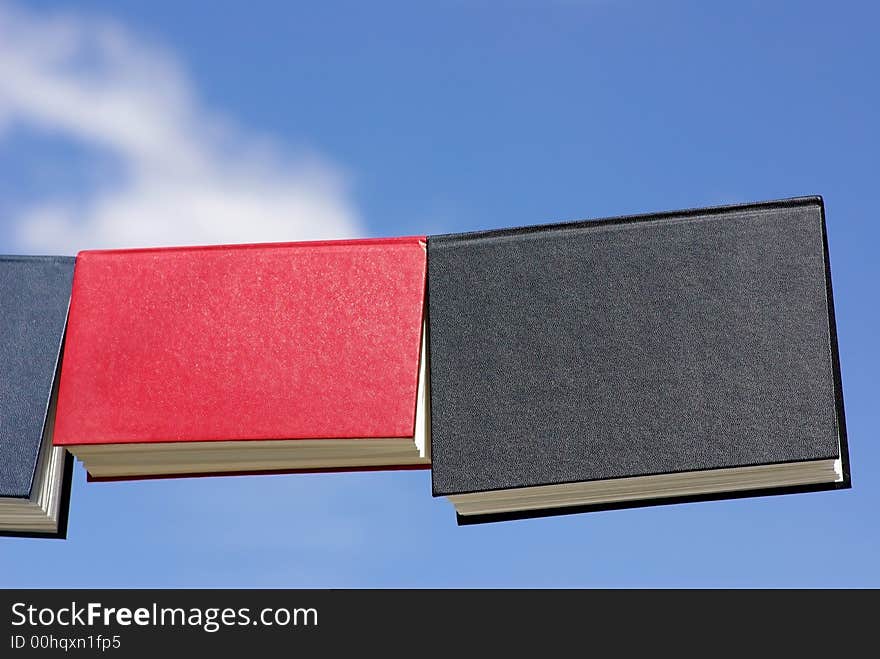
<point>249,358</point>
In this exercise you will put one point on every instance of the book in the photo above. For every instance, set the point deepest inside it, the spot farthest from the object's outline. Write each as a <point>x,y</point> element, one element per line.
<point>247,359</point>
<point>671,357</point>
<point>35,477</point>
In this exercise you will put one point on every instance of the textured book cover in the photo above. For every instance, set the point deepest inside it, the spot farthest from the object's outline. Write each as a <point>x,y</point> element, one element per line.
<point>34,478</point>
<point>588,352</point>
<point>312,341</point>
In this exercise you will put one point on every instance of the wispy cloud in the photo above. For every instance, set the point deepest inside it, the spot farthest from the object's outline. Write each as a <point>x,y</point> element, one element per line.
<point>185,176</point>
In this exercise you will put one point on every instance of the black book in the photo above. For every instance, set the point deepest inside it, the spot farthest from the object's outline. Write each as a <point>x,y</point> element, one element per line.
<point>632,361</point>
<point>34,476</point>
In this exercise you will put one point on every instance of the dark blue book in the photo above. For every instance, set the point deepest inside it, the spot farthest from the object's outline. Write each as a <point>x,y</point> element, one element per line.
<point>34,476</point>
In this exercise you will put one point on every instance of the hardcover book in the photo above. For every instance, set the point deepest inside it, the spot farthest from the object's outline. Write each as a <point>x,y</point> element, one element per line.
<point>247,359</point>
<point>34,477</point>
<point>640,360</point>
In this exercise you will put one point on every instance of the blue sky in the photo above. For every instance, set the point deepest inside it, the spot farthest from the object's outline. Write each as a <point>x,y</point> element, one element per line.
<point>126,123</point>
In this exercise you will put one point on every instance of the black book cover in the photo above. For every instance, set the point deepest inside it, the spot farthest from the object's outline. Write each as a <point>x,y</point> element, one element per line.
<point>663,343</point>
<point>34,300</point>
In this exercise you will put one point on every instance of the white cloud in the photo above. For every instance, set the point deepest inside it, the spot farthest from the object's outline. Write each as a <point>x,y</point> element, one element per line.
<point>186,176</point>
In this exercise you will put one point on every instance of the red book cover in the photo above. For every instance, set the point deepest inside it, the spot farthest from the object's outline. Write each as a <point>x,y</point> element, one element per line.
<point>313,340</point>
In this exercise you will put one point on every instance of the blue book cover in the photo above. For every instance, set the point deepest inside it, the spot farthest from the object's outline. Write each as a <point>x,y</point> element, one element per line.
<point>34,476</point>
